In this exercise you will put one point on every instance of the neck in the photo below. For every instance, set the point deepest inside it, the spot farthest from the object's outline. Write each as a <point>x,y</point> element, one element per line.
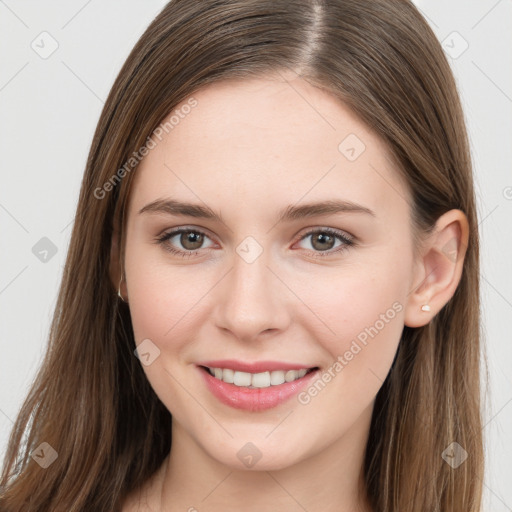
<point>329,480</point>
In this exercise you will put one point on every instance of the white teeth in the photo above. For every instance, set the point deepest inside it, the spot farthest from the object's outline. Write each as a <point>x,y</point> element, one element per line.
<point>291,375</point>
<point>276,378</point>
<point>228,375</point>
<point>242,379</point>
<point>257,380</point>
<point>261,380</point>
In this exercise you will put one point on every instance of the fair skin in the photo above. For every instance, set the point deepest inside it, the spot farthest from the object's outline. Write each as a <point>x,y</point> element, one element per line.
<point>248,150</point>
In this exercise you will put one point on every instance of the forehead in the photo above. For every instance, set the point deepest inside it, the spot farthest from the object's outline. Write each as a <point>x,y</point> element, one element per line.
<point>264,142</point>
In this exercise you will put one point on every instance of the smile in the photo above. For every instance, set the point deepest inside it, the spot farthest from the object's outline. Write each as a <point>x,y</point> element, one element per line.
<point>268,385</point>
<point>257,380</point>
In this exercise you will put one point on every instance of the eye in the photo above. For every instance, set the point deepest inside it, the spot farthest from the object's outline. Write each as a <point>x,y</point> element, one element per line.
<point>323,241</point>
<point>190,239</point>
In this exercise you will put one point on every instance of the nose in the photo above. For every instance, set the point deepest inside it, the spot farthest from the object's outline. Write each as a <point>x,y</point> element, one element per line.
<point>252,300</point>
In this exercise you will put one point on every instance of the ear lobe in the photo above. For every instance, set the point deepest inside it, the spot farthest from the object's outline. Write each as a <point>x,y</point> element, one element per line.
<point>439,268</point>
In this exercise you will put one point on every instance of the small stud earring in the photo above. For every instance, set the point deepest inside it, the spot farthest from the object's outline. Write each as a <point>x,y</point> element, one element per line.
<point>425,307</point>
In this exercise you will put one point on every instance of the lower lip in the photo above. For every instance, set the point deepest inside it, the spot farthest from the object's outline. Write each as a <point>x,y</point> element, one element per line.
<point>255,399</point>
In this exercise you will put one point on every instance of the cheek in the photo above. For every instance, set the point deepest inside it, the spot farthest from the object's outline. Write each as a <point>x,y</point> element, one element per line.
<point>164,308</point>
<point>168,305</point>
<point>358,319</point>
<point>164,305</point>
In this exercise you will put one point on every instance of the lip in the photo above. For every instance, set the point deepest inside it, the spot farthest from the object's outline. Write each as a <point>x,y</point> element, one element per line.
<point>257,399</point>
<point>253,367</point>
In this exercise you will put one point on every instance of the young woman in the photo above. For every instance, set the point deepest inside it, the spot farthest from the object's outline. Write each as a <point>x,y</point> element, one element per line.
<point>271,295</point>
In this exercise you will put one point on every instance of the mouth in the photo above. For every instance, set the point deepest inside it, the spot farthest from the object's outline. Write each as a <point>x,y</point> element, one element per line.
<point>255,390</point>
<point>258,380</point>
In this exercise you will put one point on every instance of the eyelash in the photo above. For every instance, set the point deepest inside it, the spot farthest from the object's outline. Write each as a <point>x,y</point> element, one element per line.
<point>347,242</point>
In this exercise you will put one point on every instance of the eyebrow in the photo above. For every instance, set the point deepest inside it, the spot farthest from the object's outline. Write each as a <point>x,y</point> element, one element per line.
<point>173,207</point>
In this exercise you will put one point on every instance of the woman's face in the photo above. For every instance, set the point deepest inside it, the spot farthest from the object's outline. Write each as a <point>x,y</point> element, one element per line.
<point>267,282</point>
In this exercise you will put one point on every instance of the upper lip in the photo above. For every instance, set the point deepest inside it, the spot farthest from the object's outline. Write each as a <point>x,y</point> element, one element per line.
<point>254,366</point>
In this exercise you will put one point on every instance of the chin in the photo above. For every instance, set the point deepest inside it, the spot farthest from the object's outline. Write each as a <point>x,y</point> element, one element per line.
<point>257,455</point>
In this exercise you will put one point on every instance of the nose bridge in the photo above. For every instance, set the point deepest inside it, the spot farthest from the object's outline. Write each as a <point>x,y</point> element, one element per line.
<point>249,302</point>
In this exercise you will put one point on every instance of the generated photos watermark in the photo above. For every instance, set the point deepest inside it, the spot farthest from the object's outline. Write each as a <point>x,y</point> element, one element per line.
<point>343,360</point>
<point>165,127</point>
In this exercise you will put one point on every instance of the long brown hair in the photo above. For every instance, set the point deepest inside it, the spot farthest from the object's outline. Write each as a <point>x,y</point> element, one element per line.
<point>91,401</point>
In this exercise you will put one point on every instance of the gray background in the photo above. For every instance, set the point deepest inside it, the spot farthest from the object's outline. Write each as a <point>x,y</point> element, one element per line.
<point>49,106</point>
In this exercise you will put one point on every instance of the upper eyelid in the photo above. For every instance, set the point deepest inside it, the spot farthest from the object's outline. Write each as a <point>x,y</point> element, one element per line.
<point>170,233</point>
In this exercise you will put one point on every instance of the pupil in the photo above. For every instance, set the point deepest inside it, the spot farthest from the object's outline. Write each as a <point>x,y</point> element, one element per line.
<point>195,239</point>
<point>323,239</point>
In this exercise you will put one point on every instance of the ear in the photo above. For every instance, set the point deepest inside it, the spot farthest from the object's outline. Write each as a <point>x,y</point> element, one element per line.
<point>439,268</point>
